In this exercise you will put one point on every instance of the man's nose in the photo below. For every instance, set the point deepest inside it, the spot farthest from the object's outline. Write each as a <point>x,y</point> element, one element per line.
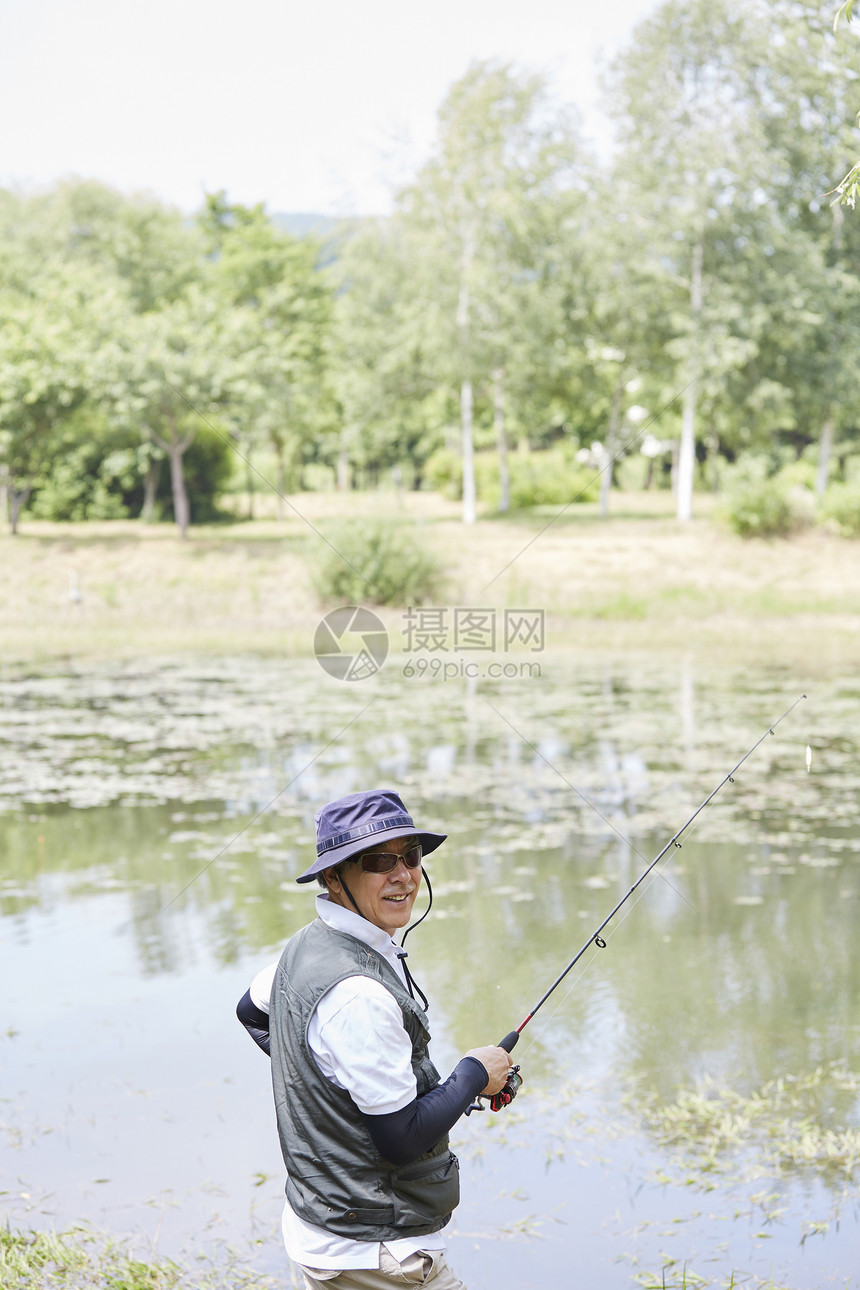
<point>402,870</point>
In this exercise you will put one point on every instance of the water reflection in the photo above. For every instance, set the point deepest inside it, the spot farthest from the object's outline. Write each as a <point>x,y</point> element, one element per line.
<point>174,807</point>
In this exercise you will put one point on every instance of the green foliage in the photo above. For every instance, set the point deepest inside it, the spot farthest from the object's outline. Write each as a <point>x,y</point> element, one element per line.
<point>704,270</point>
<point>118,302</point>
<point>842,507</point>
<point>443,472</point>
<point>78,1261</point>
<point>208,467</point>
<point>849,187</point>
<point>799,474</point>
<point>379,562</point>
<point>549,479</point>
<point>96,474</point>
<point>82,1259</point>
<point>759,505</point>
<point>546,477</point>
<point>91,473</point>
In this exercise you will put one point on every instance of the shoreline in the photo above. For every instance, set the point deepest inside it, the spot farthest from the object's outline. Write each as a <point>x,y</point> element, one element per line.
<point>630,584</point>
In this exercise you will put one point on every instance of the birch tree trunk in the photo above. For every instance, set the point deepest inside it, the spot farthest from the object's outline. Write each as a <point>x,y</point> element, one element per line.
<point>4,491</point>
<point>17,499</point>
<point>249,479</point>
<point>468,453</point>
<point>467,449</point>
<point>343,465</point>
<point>687,452</point>
<point>824,453</point>
<point>611,444</point>
<point>181,509</point>
<point>150,489</point>
<point>501,439</point>
<point>280,474</point>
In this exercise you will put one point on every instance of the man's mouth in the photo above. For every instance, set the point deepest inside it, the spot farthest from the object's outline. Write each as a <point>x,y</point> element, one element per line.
<point>398,899</point>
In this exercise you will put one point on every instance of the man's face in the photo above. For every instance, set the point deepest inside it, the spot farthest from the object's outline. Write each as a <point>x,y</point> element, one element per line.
<point>385,899</point>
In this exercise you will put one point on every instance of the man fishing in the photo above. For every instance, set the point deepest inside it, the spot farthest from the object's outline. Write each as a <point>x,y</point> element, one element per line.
<point>362,1117</point>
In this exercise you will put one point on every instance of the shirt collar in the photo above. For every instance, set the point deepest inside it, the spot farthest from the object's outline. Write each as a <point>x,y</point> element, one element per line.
<point>344,920</point>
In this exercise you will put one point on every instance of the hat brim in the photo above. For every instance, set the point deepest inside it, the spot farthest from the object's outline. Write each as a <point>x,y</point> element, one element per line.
<point>429,842</point>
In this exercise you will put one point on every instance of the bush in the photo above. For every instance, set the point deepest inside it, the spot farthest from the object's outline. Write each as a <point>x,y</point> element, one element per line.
<point>758,506</point>
<point>800,473</point>
<point>548,479</point>
<point>851,467</point>
<point>543,478</point>
<point>81,483</point>
<point>206,468</point>
<point>378,562</point>
<point>443,471</point>
<point>842,507</point>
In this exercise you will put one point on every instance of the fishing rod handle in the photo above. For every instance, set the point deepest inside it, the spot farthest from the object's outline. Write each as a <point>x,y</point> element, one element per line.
<point>509,1042</point>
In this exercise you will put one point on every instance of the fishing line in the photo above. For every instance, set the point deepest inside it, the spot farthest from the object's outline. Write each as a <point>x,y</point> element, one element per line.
<point>582,797</point>
<point>262,811</point>
<point>588,962</point>
<point>234,448</point>
<point>609,465</point>
<point>514,1081</point>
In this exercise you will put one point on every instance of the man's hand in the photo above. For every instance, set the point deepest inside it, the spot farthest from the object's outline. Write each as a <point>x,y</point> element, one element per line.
<point>496,1062</point>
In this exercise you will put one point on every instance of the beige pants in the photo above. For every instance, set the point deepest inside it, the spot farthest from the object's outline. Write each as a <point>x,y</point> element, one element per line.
<point>430,1269</point>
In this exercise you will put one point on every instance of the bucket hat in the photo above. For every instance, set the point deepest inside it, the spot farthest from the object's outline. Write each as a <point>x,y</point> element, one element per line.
<point>355,823</point>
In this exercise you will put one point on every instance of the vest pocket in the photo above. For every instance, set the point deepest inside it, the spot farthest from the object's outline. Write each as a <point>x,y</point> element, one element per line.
<point>427,1191</point>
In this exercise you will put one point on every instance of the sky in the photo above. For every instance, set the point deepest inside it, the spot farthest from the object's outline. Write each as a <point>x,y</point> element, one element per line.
<point>321,106</point>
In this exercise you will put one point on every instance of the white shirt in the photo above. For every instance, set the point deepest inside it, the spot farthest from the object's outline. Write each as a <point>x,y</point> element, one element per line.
<point>357,1038</point>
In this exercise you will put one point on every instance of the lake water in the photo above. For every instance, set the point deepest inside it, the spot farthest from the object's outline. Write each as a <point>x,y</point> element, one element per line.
<point>691,1091</point>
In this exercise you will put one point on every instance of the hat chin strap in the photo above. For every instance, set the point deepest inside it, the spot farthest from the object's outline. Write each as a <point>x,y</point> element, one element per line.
<point>354,903</point>
<point>342,882</point>
<point>426,911</point>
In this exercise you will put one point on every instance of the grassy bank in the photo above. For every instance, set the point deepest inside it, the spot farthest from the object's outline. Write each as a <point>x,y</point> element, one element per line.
<point>81,1259</point>
<point>638,581</point>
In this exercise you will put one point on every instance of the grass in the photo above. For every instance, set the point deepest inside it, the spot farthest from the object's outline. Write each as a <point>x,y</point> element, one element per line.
<point>675,1276</point>
<point>81,1259</point>
<point>636,582</point>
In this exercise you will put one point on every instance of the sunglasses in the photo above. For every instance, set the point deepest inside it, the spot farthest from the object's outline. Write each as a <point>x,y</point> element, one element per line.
<point>385,861</point>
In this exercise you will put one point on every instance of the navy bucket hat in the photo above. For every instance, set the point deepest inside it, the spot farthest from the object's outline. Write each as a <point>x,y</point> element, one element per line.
<point>356,823</point>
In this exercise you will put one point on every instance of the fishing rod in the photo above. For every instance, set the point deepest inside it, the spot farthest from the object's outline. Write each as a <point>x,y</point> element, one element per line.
<point>514,1082</point>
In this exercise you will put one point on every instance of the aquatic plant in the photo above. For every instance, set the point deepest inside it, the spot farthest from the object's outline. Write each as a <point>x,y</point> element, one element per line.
<point>778,1121</point>
<point>83,1259</point>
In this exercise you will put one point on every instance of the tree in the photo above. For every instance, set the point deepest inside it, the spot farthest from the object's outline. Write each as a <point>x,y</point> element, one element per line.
<point>384,364</point>
<point>808,100</point>
<point>49,328</point>
<point>149,250</point>
<point>848,189</point>
<point>692,160</point>
<point>279,304</point>
<point>162,372</point>
<point>502,155</point>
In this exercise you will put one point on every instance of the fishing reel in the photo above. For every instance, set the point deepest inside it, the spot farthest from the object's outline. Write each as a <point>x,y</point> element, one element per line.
<point>505,1095</point>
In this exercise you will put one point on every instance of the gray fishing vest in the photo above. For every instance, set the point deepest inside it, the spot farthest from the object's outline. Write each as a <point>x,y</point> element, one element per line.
<point>336,1177</point>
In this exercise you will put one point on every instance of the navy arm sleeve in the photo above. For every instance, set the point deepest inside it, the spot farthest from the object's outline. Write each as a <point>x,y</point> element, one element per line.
<point>404,1136</point>
<point>255,1021</point>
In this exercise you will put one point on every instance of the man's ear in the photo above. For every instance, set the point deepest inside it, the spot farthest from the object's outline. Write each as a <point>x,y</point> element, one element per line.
<point>332,881</point>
